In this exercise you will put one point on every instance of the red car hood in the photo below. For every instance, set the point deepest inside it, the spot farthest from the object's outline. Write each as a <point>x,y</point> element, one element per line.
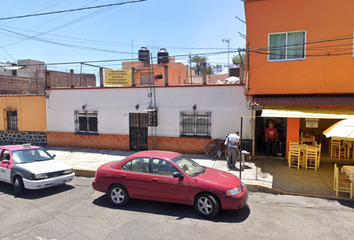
<point>219,178</point>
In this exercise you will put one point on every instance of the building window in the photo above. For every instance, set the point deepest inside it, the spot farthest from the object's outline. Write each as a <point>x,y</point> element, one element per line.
<point>146,78</point>
<point>11,120</point>
<point>286,46</point>
<point>197,124</point>
<point>14,72</point>
<point>86,122</point>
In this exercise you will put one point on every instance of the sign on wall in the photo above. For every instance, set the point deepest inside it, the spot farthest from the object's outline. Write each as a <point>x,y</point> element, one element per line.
<point>118,77</point>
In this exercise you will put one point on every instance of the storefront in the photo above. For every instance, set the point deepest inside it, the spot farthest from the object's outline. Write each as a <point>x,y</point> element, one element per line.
<point>298,123</point>
<point>304,125</point>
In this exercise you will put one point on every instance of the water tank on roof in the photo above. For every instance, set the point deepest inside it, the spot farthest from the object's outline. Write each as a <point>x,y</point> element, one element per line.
<point>144,55</point>
<point>162,56</point>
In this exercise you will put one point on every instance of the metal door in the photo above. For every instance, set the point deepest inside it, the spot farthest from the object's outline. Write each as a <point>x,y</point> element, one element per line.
<point>138,131</point>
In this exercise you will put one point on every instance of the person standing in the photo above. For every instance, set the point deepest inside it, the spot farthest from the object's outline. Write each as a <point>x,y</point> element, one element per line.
<point>271,136</point>
<point>232,141</point>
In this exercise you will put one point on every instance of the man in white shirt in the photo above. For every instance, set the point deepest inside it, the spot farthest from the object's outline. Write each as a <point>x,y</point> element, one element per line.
<point>232,141</point>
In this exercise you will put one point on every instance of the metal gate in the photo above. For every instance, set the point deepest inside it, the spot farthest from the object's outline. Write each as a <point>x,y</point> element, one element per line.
<point>138,131</point>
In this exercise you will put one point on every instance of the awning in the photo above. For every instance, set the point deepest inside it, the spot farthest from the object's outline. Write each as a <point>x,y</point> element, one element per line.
<point>328,113</point>
<point>304,100</point>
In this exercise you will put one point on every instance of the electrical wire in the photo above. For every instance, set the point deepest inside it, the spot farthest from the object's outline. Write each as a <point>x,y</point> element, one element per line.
<point>71,10</point>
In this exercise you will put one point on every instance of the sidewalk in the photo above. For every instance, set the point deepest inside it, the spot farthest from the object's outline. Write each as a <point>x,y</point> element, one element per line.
<point>266,174</point>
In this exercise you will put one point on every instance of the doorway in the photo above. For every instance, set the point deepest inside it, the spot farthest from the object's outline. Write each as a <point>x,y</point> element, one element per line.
<point>138,131</point>
<point>262,124</point>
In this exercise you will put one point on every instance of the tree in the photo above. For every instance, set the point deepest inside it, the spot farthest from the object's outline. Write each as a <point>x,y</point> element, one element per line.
<point>198,61</point>
<point>217,68</point>
<point>237,60</point>
<point>210,69</point>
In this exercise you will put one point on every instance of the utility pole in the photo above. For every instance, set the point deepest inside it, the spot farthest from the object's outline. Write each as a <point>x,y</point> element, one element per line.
<point>227,40</point>
<point>190,67</point>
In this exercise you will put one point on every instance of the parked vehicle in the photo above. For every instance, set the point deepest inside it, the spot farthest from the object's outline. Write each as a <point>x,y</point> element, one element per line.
<point>32,167</point>
<point>170,177</point>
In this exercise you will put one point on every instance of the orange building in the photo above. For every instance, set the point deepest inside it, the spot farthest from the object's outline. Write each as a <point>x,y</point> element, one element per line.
<point>299,59</point>
<point>177,72</point>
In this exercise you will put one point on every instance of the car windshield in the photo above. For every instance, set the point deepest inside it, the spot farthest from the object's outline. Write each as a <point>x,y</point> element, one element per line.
<point>30,155</point>
<point>190,167</point>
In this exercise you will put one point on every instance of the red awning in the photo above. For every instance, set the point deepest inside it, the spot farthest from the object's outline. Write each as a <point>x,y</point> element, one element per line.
<point>304,100</point>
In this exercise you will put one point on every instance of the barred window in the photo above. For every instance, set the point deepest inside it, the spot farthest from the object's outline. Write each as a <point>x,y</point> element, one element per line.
<point>195,124</point>
<point>86,122</point>
<point>12,121</point>
<point>146,78</point>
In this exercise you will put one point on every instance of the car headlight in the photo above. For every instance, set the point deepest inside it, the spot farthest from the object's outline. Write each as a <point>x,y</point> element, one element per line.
<point>39,176</point>
<point>235,191</point>
<point>68,171</point>
<point>242,186</point>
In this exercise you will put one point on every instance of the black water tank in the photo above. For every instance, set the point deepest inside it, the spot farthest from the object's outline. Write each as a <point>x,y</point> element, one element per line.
<point>144,54</point>
<point>162,56</point>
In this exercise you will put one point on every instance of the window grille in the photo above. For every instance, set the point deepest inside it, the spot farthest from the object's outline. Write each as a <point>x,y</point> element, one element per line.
<point>195,124</point>
<point>11,120</point>
<point>86,122</point>
<point>146,78</point>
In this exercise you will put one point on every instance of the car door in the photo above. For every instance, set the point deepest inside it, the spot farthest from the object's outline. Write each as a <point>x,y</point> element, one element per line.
<point>164,187</point>
<point>5,165</point>
<point>136,178</point>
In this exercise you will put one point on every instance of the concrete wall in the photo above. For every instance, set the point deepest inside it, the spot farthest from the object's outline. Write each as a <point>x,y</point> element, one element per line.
<point>226,103</point>
<point>31,120</point>
<point>30,112</point>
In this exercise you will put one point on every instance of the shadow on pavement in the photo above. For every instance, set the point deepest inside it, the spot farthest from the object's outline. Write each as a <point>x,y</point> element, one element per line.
<point>347,203</point>
<point>7,188</point>
<point>176,210</point>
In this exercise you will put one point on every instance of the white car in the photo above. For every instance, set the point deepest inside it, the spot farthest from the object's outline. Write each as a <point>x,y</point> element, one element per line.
<point>32,167</point>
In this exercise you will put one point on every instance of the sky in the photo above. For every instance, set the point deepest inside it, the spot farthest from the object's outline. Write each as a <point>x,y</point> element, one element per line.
<point>117,33</point>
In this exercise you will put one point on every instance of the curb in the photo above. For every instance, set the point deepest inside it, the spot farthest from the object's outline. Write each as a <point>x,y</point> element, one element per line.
<point>84,173</point>
<point>257,188</point>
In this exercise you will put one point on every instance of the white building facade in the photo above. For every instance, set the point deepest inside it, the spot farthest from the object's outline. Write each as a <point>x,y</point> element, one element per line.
<point>188,117</point>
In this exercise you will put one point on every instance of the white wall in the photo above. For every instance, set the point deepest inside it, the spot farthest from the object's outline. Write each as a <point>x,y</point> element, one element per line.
<point>226,103</point>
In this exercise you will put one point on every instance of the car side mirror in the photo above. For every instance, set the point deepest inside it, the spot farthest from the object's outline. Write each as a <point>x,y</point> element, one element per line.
<point>178,175</point>
<point>53,155</point>
<point>5,161</point>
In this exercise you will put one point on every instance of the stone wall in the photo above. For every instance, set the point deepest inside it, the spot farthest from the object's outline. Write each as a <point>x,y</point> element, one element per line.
<point>21,137</point>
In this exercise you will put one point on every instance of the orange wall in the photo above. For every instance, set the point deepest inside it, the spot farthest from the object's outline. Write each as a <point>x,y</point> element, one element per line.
<point>31,112</point>
<point>293,132</point>
<point>321,71</point>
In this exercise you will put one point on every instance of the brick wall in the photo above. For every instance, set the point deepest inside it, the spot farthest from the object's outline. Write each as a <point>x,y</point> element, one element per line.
<point>20,85</point>
<point>62,79</point>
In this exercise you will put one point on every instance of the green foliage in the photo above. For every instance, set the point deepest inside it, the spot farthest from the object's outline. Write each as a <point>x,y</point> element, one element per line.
<point>237,60</point>
<point>198,61</point>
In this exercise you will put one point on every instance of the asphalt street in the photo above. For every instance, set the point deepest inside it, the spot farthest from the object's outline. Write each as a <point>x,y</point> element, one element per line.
<point>75,211</point>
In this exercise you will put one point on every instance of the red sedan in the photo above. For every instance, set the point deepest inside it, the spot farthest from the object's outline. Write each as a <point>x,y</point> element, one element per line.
<point>170,177</point>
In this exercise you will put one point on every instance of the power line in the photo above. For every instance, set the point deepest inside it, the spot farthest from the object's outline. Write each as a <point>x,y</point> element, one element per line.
<point>65,44</point>
<point>71,10</point>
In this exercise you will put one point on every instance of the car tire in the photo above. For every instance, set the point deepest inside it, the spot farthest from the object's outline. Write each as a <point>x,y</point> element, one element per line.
<point>206,205</point>
<point>118,195</point>
<point>18,186</point>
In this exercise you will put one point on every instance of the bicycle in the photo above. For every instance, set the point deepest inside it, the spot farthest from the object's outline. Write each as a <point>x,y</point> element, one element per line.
<point>216,149</point>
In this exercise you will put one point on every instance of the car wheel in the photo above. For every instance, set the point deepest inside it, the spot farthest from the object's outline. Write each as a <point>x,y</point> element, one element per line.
<point>207,205</point>
<point>118,195</point>
<point>18,186</point>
